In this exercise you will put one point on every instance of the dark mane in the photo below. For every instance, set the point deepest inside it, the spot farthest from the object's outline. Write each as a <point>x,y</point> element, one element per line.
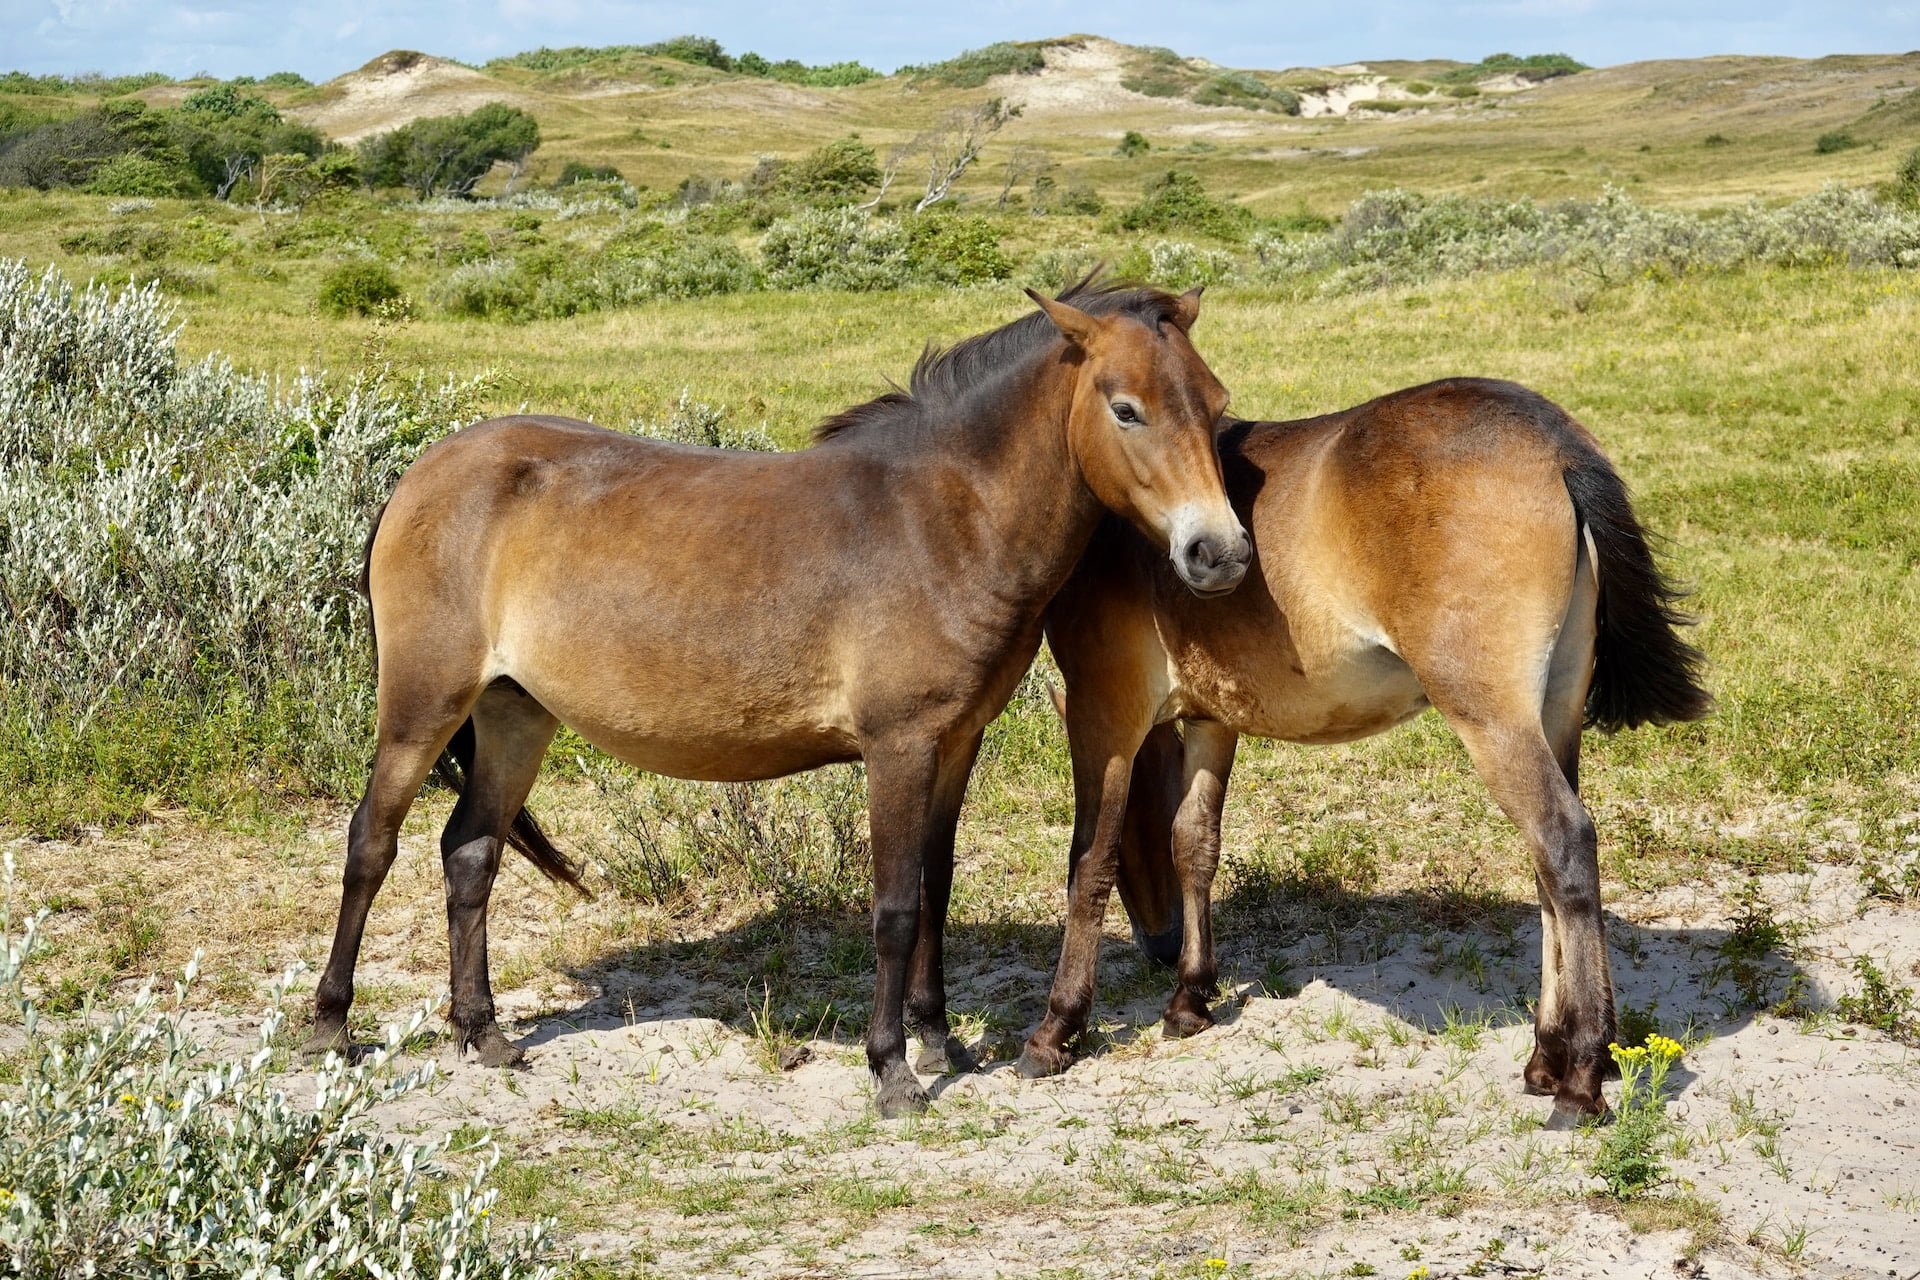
<point>946,381</point>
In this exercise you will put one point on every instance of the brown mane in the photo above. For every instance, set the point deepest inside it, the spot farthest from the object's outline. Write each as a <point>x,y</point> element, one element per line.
<point>960,382</point>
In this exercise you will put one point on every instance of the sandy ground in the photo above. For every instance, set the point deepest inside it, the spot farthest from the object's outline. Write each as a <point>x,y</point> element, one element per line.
<point>1356,1107</point>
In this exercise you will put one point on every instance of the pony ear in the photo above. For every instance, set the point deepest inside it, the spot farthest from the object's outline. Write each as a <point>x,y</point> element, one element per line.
<point>1186,308</point>
<point>1075,325</point>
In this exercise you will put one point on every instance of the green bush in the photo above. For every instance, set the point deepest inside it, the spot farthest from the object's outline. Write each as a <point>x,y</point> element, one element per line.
<point>1838,140</point>
<point>1082,200</point>
<point>1177,201</point>
<point>835,249</point>
<point>955,248</point>
<point>575,171</point>
<point>358,288</point>
<point>448,155</point>
<point>1238,89</point>
<point>1906,181</point>
<point>838,173</point>
<point>975,67</point>
<point>128,1150</point>
<point>136,175</point>
<point>1133,143</point>
<point>1534,66</point>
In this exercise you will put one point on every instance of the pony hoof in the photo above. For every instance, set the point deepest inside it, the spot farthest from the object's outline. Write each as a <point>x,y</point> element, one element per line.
<point>899,1094</point>
<point>1038,1062</point>
<point>328,1037</point>
<point>492,1049</point>
<point>946,1056</point>
<point>1567,1116</point>
<point>1181,1023</point>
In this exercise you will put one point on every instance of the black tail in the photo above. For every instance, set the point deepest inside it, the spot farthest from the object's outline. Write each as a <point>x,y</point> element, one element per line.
<point>453,768</point>
<point>1643,672</point>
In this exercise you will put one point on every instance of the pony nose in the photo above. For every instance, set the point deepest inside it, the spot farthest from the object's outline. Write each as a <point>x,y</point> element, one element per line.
<point>1211,564</point>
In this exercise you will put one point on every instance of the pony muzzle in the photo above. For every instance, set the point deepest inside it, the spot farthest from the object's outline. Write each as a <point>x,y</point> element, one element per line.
<point>1210,558</point>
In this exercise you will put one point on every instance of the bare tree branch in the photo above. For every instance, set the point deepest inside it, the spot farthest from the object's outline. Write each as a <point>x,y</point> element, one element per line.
<point>954,144</point>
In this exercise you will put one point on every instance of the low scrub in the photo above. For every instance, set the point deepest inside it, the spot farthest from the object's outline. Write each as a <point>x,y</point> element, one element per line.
<point>1399,237</point>
<point>179,545</point>
<point>1176,201</point>
<point>126,1150</point>
<point>836,249</point>
<point>975,67</point>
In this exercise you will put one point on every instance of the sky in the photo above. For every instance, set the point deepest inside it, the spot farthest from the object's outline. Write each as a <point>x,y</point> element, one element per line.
<point>254,37</point>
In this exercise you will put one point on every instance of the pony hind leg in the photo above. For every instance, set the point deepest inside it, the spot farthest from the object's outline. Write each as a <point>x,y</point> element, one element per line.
<point>1196,857</point>
<point>510,736</point>
<point>408,746</point>
<point>1575,1020</point>
<point>1562,716</point>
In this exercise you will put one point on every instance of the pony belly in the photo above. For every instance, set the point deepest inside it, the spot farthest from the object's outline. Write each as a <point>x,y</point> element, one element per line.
<point>747,754</point>
<point>1366,694</point>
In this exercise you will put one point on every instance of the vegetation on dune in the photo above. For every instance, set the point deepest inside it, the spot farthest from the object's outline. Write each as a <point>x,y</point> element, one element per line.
<point>697,50</point>
<point>1532,66</point>
<point>1162,73</point>
<point>975,67</point>
<point>128,1150</point>
<point>447,155</point>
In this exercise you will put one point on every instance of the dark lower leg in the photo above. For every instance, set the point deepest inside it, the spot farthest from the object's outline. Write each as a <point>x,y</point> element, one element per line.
<point>1196,857</point>
<point>370,856</point>
<point>1101,809</point>
<point>926,1002</point>
<point>470,867</point>
<point>900,784</point>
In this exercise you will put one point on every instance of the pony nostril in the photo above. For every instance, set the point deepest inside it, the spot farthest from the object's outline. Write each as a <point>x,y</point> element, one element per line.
<point>1201,554</point>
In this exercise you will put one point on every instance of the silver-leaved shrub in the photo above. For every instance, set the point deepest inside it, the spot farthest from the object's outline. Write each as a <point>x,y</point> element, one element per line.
<point>128,1151</point>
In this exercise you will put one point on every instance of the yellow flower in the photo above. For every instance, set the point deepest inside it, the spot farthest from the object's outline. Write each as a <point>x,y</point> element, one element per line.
<point>1216,1264</point>
<point>129,1099</point>
<point>1419,1273</point>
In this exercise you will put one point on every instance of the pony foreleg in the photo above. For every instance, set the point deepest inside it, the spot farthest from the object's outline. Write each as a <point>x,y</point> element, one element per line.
<point>926,1005</point>
<point>1101,776</point>
<point>1196,857</point>
<point>902,785</point>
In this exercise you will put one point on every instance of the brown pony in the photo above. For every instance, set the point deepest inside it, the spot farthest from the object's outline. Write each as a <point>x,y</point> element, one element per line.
<point>730,616</point>
<point>1463,545</point>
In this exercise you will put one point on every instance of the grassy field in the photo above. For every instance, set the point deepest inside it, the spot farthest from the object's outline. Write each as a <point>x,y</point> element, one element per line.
<point>1766,420</point>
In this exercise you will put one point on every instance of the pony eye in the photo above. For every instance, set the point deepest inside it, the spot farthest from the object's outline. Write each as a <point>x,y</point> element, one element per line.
<point>1126,413</point>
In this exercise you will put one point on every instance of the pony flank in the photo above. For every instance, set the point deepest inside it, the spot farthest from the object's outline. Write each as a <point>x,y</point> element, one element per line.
<point>1463,545</point>
<point>731,616</point>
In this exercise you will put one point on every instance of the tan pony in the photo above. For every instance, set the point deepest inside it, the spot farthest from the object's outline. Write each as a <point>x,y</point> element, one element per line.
<point>726,615</point>
<point>1463,545</point>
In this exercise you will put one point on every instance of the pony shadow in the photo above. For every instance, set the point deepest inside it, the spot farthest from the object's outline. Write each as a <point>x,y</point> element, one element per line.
<point>1436,961</point>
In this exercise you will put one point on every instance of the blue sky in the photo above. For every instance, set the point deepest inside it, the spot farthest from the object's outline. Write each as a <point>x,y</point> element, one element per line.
<point>228,37</point>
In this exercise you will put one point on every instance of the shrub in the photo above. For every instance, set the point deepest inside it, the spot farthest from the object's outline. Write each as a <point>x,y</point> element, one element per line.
<point>1906,181</point>
<point>1716,140</point>
<point>1534,66</point>
<point>448,155</point>
<point>1083,200</point>
<point>1177,201</point>
<point>178,610</point>
<point>1238,89</point>
<point>126,1150</point>
<point>835,249</point>
<point>358,288</point>
<point>575,171</point>
<point>838,173</point>
<point>1837,140</point>
<point>1176,264</point>
<point>975,67</point>
<point>953,248</point>
<point>136,175</point>
<point>1133,143</point>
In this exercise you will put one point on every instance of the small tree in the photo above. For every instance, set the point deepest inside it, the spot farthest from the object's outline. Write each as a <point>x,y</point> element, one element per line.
<point>1024,164</point>
<point>834,174</point>
<point>448,155</point>
<point>954,144</point>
